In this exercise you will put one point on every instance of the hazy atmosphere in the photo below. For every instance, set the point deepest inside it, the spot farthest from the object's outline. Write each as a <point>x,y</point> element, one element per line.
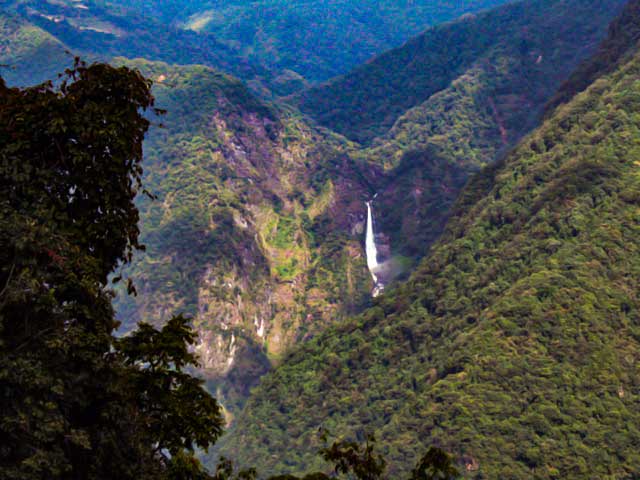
<point>330,239</point>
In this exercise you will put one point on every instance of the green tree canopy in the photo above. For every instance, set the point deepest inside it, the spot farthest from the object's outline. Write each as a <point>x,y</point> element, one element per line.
<point>75,401</point>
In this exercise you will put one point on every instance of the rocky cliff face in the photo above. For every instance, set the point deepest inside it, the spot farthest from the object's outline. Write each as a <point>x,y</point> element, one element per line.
<point>257,231</point>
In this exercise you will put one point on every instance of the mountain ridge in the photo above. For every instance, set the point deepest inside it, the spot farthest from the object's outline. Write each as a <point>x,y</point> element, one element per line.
<point>364,103</point>
<point>310,41</point>
<point>515,343</point>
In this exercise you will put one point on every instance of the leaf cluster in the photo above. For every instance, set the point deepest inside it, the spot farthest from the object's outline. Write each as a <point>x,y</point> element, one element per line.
<point>75,401</point>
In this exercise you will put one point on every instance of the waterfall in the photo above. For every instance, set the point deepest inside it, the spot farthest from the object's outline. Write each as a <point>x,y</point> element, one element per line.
<point>370,245</point>
<point>372,252</point>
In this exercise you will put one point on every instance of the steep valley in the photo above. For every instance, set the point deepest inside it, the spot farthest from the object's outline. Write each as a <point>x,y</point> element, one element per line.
<point>514,345</point>
<point>504,202</point>
<point>259,230</point>
<point>258,227</point>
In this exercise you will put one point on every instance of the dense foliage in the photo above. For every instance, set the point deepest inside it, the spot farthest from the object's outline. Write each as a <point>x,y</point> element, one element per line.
<point>250,234</point>
<point>100,32</point>
<point>355,461</point>
<point>256,234</point>
<point>516,342</point>
<point>75,402</point>
<point>535,43</point>
<point>308,40</point>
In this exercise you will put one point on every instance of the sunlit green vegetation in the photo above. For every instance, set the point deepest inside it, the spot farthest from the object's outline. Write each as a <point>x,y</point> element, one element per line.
<point>516,342</point>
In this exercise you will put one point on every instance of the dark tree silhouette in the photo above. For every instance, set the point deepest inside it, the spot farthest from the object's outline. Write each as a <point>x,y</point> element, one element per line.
<point>75,402</point>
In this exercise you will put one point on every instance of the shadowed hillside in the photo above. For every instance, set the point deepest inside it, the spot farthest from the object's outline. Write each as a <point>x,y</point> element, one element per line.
<point>515,343</point>
<point>523,39</point>
<point>307,41</point>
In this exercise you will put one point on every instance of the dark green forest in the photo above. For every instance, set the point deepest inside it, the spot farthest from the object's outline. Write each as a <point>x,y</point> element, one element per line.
<point>184,289</point>
<point>77,401</point>
<point>437,121</point>
<point>529,39</point>
<point>515,343</point>
<point>41,37</point>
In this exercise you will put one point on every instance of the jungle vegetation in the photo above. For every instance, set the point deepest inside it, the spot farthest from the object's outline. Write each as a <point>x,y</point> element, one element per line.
<point>514,345</point>
<point>534,43</point>
<point>257,229</point>
<point>515,342</point>
<point>78,402</point>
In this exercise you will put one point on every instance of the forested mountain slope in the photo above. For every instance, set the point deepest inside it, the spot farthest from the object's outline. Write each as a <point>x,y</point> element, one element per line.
<point>433,146</point>
<point>257,226</point>
<point>277,47</point>
<point>307,40</point>
<point>511,62</point>
<point>256,230</point>
<point>516,342</point>
<point>525,40</point>
<point>95,31</point>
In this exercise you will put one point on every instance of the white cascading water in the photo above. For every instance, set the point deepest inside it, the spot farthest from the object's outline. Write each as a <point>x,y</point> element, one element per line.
<point>372,251</point>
